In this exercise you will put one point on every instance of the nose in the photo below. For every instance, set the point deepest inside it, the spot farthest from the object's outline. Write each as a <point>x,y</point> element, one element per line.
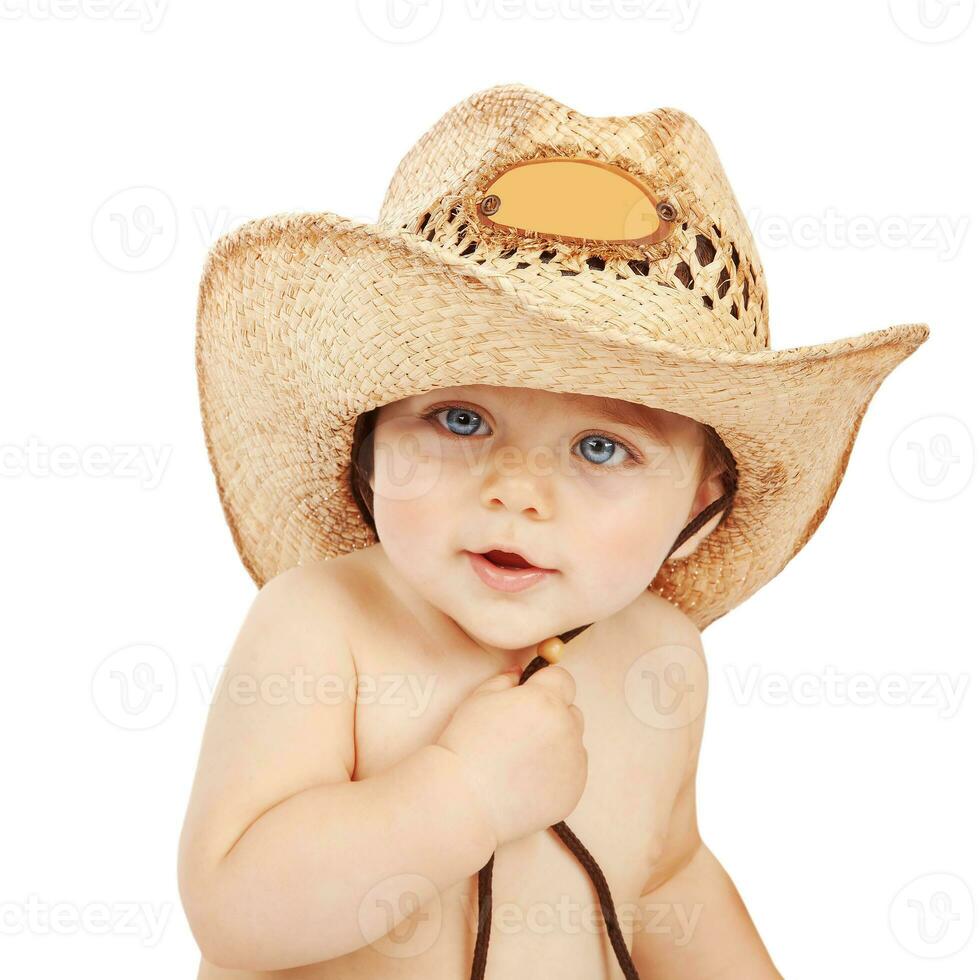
<point>517,485</point>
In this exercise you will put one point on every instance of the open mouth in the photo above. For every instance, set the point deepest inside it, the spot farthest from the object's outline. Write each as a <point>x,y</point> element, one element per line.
<point>506,559</point>
<point>506,571</point>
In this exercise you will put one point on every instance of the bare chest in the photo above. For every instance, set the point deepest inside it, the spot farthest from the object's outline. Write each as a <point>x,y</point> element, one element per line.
<point>546,914</point>
<point>546,918</point>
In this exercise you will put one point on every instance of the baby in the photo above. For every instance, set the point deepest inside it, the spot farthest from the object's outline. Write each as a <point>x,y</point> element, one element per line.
<point>347,832</point>
<point>494,462</point>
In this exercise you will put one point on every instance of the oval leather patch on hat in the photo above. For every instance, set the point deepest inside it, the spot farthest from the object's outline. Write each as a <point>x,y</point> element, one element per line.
<point>575,200</point>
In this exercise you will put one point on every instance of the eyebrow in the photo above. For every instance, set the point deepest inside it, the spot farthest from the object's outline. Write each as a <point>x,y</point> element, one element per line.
<point>625,413</point>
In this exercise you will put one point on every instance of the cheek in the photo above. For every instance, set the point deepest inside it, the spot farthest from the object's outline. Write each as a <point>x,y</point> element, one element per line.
<point>622,527</point>
<point>412,489</point>
<point>407,464</point>
<point>612,545</point>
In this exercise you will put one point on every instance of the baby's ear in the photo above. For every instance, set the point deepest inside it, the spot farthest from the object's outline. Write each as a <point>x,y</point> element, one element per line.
<point>710,489</point>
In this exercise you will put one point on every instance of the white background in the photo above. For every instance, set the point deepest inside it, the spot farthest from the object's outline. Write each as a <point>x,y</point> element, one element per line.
<point>849,134</point>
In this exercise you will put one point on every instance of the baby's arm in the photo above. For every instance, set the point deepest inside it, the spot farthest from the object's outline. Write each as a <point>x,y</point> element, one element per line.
<point>694,923</point>
<point>279,847</point>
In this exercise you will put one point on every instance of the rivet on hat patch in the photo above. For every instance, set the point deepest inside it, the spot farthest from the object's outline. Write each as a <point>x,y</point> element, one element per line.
<point>575,200</point>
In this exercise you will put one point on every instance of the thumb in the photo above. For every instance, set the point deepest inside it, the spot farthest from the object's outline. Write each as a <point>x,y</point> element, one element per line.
<point>500,682</point>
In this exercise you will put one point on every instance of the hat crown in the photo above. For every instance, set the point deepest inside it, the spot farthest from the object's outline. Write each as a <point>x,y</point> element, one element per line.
<point>701,263</point>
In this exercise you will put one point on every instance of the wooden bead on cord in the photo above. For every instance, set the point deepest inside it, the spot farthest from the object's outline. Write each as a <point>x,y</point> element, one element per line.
<point>551,649</point>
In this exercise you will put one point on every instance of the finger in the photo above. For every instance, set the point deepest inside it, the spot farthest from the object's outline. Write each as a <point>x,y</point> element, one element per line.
<point>499,682</point>
<point>555,679</point>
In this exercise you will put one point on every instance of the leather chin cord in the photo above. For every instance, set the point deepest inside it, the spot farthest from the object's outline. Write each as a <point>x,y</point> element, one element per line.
<point>553,647</point>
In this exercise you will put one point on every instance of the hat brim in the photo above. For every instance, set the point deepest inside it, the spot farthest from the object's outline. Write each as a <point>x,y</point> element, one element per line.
<point>307,320</point>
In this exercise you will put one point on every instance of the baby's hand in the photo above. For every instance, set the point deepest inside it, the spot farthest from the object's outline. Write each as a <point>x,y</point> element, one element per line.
<point>521,748</point>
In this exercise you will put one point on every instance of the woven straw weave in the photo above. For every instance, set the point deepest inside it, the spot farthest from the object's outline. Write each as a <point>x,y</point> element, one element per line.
<point>307,320</point>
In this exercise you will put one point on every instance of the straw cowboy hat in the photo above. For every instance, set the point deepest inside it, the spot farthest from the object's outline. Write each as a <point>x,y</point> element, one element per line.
<point>524,244</point>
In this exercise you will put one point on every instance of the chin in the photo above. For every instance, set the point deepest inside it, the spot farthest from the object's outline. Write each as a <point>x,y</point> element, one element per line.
<point>506,632</point>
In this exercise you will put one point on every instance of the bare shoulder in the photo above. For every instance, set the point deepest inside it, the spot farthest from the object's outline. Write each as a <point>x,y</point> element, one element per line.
<point>282,715</point>
<point>668,644</point>
<point>658,619</point>
<point>654,634</point>
<point>322,598</point>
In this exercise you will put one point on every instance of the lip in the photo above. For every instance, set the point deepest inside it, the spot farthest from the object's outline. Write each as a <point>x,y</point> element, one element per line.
<point>506,579</point>
<point>497,546</point>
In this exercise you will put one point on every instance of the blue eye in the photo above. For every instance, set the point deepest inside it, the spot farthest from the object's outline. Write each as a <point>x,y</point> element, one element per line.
<point>459,420</point>
<point>596,448</point>
<point>601,449</point>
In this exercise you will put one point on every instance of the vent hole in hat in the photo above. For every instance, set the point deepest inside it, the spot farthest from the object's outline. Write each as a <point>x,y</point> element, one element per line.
<point>462,233</point>
<point>708,302</point>
<point>724,281</point>
<point>431,235</point>
<point>425,221</point>
<point>735,257</point>
<point>717,230</point>
<point>508,253</point>
<point>596,262</point>
<point>745,294</point>
<point>470,249</point>
<point>453,214</point>
<point>523,265</point>
<point>683,272</point>
<point>705,250</point>
<point>734,311</point>
<point>548,254</point>
<point>640,266</point>
<point>569,272</point>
